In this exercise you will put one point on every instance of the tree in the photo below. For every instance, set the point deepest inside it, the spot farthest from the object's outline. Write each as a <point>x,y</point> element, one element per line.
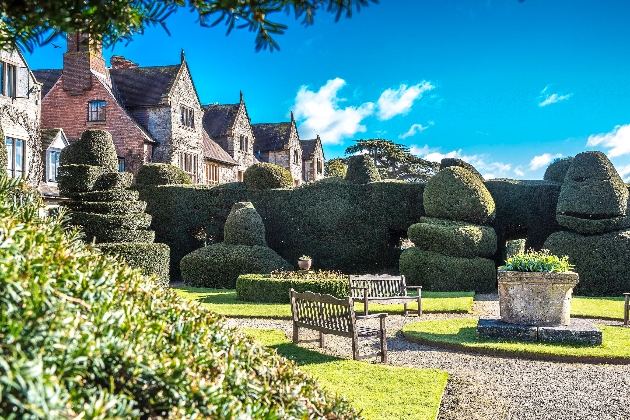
<point>394,161</point>
<point>335,167</point>
<point>37,22</point>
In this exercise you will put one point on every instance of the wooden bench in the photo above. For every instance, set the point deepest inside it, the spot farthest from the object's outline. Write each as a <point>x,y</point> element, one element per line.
<point>626,309</point>
<point>329,315</point>
<point>383,289</point>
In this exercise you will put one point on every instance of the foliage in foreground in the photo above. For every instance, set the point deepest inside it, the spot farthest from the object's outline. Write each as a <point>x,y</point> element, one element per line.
<point>379,392</point>
<point>540,261</point>
<point>84,336</point>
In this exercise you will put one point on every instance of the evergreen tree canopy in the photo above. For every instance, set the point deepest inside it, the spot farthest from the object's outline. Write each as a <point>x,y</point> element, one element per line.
<point>395,161</point>
<point>37,22</point>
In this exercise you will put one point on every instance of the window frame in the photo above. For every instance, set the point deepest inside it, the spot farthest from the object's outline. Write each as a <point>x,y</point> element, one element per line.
<point>97,111</point>
<point>186,116</point>
<point>212,173</point>
<point>52,168</point>
<point>121,164</point>
<point>11,168</point>
<point>188,162</point>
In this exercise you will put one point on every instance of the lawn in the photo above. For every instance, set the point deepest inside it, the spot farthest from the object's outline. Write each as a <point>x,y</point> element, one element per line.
<point>461,333</point>
<point>380,392</point>
<point>223,301</point>
<point>597,307</point>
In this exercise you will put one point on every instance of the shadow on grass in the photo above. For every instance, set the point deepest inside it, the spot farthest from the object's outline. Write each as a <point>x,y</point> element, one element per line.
<point>302,356</point>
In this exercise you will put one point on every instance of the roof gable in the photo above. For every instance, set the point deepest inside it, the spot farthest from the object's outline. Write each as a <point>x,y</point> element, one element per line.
<point>271,136</point>
<point>219,119</point>
<point>47,78</point>
<point>145,86</point>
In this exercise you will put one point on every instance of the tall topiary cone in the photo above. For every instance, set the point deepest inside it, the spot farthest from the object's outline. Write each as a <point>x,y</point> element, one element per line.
<point>361,170</point>
<point>109,213</point>
<point>244,226</point>
<point>452,246</point>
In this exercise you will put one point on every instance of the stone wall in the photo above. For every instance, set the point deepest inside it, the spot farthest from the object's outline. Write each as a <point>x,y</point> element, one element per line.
<point>242,127</point>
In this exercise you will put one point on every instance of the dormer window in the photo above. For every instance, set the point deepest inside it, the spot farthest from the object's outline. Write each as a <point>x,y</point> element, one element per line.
<point>96,111</point>
<point>187,116</point>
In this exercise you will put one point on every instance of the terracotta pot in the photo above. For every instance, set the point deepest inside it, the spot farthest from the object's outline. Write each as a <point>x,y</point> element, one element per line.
<point>305,264</point>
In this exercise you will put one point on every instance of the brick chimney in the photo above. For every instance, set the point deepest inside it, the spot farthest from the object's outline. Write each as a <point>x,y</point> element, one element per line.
<point>120,62</point>
<point>84,55</point>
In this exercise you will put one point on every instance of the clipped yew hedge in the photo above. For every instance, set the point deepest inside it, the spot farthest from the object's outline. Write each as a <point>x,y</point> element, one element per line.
<point>86,337</point>
<point>244,226</point>
<point>361,170</point>
<point>262,176</point>
<point>557,170</point>
<point>95,148</point>
<point>264,288</point>
<point>162,174</point>
<point>456,239</point>
<point>150,258</point>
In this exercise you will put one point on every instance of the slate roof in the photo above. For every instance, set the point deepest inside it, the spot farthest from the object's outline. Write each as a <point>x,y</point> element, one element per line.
<point>144,86</point>
<point>271,136</point>
<point>212,151</point>
<point>308,148</point>
<point>218,119</point>
<point>48,78</point>
<point>48,136</point>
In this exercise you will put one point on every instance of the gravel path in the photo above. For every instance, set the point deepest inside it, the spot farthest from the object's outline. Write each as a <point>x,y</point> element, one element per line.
<point>497,388</point>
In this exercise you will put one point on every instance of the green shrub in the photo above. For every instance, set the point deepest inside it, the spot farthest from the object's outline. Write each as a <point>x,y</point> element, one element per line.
<point>244,226</point>
<point>108,196</point>
<point>440,273</point>
<point>456,239</point>
<point>592,192</point>
<point>454,193</point>
<point>76,178</point>
<point>361,170</point>
<point>161,174</point>
<point>114,181</point>
<point>219,265</point>
<point>448,162</point>
<point>95,147</point>
<point>112,221</point>
<point>264,288</point>
<point>151,259</point>
<point>600,260</point>
<point>118,235</point>
<point>262,176</point>
<point>114,207</point>
<point>84,336</point>
<point>335,168</point>
<point>557,170</point>
<point>539,261</point>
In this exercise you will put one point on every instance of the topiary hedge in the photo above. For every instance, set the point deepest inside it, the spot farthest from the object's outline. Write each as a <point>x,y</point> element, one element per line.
<point>264,288</point>
<point>112,221</point>
<point>114,181</point>
<point>95,148</point>
<point>161,174</point>
<point>361,170</point>
<point>456,239</point>
<point>74,179</point>
<point>440,273</point>
<point>151,259</point>
<point>557,170</point>
<point>84,336</point>
<point>262,176</point>
<point>107,196</point>
<point>454,193</point>
<point>114,207</point>
<point>219,265</point>
<point>600,260</point>
<point>448,162</point>
<point>244,226</point>
<point>119,236</point>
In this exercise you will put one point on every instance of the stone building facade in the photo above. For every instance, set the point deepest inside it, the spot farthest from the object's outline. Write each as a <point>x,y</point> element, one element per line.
<point>20,111</point>
<point>230,127</point>
<point>312,159</point>
<point>279,143</point>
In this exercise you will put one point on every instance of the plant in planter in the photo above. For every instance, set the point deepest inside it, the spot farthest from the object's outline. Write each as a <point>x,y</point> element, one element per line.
<point>535,288</point>
<point>304,262</point>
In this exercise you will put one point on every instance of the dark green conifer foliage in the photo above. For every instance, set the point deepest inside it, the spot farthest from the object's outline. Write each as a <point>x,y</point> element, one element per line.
<point>557,170</point>
<point>262,176</point>
<point>361,170</point>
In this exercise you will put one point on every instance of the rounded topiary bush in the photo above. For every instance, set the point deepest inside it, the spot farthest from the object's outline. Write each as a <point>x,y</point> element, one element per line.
<point>448,162</point>
<point>95,147</point>
<point>593,197</point>
<point>85,336</point>
<point>557,170</point>
<point>75,178</point>
<point>244,226</point>
<point>263,176</point>
<point>219,265</point>
<point>456,239</point>
<point>161,174</point>
<point>361,170</point>
<point>455,193</point>
<point>440,273</point>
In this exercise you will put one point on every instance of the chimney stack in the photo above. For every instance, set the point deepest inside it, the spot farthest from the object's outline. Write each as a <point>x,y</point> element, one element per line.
<point>83,56</point>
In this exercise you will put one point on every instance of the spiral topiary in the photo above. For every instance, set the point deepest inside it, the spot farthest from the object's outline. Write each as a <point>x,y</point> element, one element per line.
<point>263,176</point>
<point>95,148</point>
<point>361,170</point>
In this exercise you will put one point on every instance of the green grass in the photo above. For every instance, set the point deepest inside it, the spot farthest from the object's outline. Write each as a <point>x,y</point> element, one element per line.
<point>223,301</point>
<point>597,307</point>
<point>380,392</point>
<point>461,332</point>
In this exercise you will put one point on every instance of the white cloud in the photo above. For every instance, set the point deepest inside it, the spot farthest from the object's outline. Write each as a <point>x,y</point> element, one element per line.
<point>624,172</point>
<point>543,160</point>
<point>416,128</point>
<point>394,102</point>
<point>548,99</point>
<point>489,170</point>
<point>518,171</point>
<point>321,113</point>
<point>618,140</point>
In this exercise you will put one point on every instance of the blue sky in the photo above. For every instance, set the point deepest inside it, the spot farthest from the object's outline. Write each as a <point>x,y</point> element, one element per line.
<point>506,85</point>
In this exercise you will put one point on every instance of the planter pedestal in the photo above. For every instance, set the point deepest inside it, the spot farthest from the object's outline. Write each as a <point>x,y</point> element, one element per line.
<point>533,298</point>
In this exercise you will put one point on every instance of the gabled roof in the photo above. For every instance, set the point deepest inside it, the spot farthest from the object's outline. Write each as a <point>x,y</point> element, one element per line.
<point>144,86</point>
<point>308,148</point>
<point>48,78</point>
<point>212,151</point>
<point>218,119</point>
<point>271,136</point>
<point>49,135</point>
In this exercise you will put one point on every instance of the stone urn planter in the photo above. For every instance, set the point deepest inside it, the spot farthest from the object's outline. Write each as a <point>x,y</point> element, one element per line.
<point>304,263</point>
<point>536,298</point>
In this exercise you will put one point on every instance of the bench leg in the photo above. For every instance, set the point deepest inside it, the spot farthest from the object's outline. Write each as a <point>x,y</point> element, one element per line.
<point>321,340</point>
<point>296,330</point>
<point>383,341</point>
<point>419,305</point>
<point>405,312</point>
<point>626,310</point>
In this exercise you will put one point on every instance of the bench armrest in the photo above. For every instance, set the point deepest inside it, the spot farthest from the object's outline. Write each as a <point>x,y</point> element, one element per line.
<point>378,315</point>
<point>413,287</point>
